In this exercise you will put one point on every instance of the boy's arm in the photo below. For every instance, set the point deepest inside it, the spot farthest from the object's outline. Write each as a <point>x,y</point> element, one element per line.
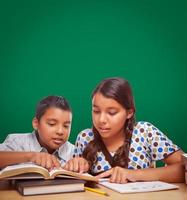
<point>9,158</point>
<point>43,159</point>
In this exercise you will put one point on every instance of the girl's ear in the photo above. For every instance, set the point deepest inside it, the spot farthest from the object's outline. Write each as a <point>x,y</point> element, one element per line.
<point>35,123</point>
<point>130,113</point>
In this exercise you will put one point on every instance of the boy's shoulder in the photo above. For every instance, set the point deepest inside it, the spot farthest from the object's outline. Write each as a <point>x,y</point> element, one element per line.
<point>66,151</point>
<point>67,145</point>
<point>20,136</point>
<point>19,142</point>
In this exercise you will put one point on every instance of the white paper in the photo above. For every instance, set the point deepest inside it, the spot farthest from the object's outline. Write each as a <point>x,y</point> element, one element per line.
<point>139,186</point>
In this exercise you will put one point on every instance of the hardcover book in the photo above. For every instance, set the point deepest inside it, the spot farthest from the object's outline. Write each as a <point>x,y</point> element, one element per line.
<point>36,187</point>
<point>32,171</point>
<point>184,157</point>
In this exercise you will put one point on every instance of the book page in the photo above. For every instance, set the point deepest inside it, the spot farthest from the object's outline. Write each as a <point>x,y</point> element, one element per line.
<point>23,168</point>
<point>59,172</point>
<point>139,186</point>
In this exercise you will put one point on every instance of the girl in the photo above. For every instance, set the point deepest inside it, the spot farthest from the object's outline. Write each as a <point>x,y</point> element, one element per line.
<point>47,145</point>
<point>119,147</point>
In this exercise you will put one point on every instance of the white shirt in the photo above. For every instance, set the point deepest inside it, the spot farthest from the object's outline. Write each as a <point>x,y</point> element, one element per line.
<point>29,142</point>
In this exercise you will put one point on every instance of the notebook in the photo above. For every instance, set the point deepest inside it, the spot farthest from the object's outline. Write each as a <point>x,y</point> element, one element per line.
<point>136,187</point>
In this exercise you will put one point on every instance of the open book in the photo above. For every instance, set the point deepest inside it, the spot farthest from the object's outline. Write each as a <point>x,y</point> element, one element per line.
<point>32,171</point>
<point>136,187</point>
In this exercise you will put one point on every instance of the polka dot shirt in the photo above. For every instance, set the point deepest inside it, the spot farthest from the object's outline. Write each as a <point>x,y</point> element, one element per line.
<point>148,144</point>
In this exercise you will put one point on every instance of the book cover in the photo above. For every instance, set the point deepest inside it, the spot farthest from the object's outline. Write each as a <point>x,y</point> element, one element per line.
<point>136,187</point>
<point>184,157</point>
<point>36,187</point>
<point>31,171</point>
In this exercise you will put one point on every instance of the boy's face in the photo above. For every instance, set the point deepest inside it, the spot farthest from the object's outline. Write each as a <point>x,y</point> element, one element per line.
<point>53,128</point>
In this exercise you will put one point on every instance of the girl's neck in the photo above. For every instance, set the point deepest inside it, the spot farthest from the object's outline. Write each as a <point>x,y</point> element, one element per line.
<point>113,143</point>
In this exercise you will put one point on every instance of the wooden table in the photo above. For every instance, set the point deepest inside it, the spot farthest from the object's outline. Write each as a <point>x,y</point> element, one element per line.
<point>7,192</point>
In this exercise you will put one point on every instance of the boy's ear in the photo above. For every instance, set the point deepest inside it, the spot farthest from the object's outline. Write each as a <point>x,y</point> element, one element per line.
<point>35,123</point>
<point>130,113</point>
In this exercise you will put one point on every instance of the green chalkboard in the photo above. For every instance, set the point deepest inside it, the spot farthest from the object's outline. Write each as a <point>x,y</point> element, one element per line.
<point>66,47</point>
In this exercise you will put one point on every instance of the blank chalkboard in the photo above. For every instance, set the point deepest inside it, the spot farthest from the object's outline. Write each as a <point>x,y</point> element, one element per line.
<point>67,47</point>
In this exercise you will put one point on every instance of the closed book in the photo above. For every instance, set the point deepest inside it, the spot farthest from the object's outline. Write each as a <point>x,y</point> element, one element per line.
<point>184,157</point>
<point>36,187</point>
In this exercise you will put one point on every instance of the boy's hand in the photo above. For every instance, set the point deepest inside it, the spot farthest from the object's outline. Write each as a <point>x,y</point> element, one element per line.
<point>118,175</point>
<point>45,160</point>
<point>77,164</point>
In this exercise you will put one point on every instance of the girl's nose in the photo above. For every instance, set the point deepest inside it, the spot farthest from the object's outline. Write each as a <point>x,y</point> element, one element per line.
<point>102,118</point>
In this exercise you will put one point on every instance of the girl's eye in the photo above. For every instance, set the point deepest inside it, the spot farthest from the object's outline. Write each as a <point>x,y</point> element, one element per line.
<point>96,111</point>
<point>112,113</point>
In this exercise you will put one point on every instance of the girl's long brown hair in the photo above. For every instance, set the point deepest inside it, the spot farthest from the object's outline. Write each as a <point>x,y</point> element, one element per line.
<point>119,90</point>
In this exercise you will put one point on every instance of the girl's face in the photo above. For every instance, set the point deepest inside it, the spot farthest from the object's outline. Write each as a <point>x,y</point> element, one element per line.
<point>109,116</point>
<point>53,128</point>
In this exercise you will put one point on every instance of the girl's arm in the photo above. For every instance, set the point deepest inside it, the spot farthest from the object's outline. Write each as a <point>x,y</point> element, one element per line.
<point>172,172</point>
<point>43,159</point>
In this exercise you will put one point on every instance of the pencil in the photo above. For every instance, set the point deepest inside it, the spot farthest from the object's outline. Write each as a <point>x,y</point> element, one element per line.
<point>96,191</point>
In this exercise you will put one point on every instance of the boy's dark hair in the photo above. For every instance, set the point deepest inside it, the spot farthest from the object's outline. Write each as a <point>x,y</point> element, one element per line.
<point>51,101</point>
<point>119,90</point>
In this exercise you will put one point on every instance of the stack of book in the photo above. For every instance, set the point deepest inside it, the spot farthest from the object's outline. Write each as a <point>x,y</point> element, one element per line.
<point>185,163</point>
<point>31,179</point>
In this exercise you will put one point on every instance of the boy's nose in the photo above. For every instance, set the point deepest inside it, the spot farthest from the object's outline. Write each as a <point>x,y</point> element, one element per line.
<point>60,131</point>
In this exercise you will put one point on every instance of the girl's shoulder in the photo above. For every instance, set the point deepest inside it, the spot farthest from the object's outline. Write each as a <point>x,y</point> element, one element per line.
<point>86,132</point>
<point>143,124</point>
<point>85,135</point>
<point>143,127</point>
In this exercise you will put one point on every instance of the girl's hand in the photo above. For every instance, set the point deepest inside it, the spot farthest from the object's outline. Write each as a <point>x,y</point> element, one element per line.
<point>118,175</point>
<point>45,160</point>
<point>77,164</point>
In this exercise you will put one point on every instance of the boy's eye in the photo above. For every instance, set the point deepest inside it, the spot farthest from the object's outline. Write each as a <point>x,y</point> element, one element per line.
<point>66,126</point>
<point>51,124</point>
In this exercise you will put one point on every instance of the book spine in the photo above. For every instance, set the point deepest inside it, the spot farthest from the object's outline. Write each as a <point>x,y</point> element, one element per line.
<point>20,190</point>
